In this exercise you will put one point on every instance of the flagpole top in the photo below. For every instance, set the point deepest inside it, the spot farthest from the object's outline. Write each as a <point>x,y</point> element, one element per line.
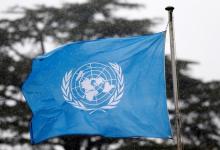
<point>169,8</point>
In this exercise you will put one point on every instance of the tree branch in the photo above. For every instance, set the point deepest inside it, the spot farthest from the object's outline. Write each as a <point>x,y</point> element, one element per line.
<point>18,53</point>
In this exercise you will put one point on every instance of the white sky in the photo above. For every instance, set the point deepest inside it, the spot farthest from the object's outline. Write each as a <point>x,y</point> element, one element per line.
<point>197,28</point>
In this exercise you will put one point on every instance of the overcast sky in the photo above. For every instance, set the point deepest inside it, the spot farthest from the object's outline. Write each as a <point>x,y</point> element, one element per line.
<point>197,28</point>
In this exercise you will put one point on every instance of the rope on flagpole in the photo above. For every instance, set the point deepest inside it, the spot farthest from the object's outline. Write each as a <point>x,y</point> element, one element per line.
<point>167,26</point>
<point>174,75</point>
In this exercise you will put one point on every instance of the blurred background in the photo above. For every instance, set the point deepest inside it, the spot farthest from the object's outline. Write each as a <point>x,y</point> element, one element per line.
<point>31,28</point>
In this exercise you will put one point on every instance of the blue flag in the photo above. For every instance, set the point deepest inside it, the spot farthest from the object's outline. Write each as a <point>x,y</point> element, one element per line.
<point>113,87</point>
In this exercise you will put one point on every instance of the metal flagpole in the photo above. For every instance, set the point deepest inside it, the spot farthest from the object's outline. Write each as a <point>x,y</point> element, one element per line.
<point>174,75</point>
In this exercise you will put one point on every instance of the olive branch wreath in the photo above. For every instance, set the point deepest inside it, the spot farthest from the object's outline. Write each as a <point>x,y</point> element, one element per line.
<point>114,100</point>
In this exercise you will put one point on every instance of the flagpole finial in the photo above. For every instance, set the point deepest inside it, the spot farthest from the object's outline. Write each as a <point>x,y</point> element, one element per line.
<point>169,8</point>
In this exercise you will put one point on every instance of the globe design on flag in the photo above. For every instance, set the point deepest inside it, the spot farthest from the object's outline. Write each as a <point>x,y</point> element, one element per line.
<point>94,84</point>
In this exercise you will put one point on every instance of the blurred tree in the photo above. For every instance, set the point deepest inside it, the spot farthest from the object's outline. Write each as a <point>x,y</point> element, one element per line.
<point>199,101</point>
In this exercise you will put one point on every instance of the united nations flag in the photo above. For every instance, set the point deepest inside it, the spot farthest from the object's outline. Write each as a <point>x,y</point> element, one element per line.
<point>112,87</point>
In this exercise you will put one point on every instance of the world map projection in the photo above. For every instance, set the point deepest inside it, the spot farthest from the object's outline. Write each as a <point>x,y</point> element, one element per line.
<point>94,83</point>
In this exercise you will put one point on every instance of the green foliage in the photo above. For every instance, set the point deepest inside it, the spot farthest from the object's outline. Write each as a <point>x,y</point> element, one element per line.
<point>200,102</point>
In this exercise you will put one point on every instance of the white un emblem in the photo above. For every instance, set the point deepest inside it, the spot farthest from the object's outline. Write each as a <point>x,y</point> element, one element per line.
<point>94,86</point>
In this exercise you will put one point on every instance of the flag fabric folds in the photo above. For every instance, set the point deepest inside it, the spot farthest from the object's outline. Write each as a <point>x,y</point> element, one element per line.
<point>113,87</point>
